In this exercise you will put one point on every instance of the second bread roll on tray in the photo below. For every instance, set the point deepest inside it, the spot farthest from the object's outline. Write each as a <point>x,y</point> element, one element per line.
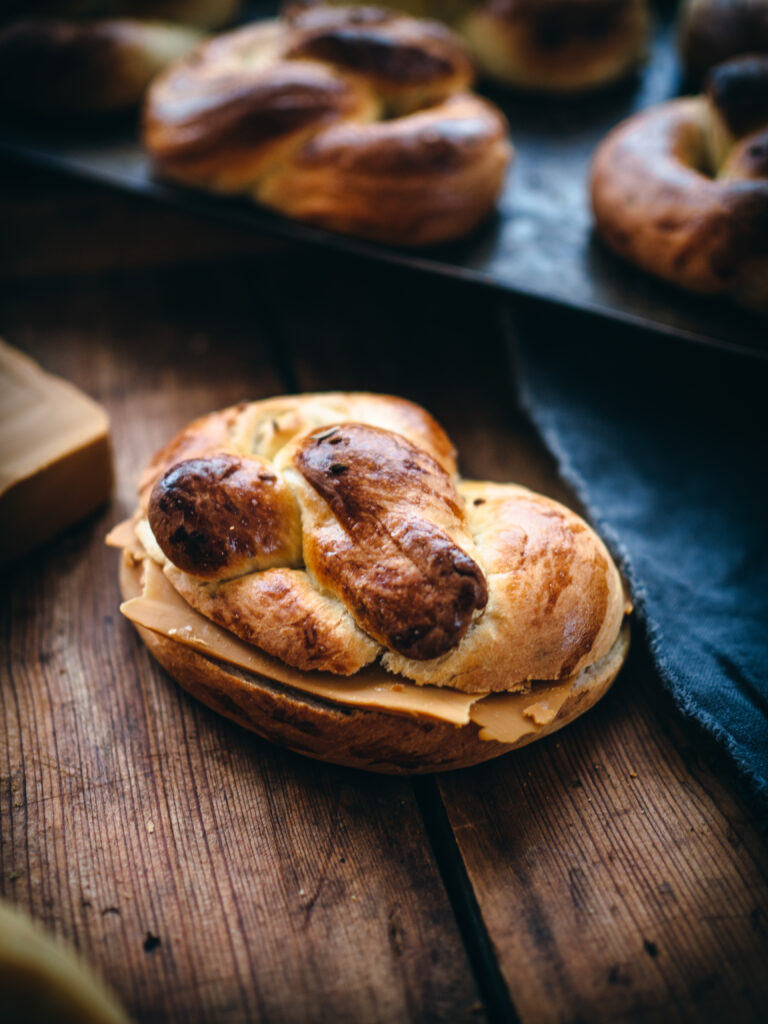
<point>681,189</point>
<point>356,120</point>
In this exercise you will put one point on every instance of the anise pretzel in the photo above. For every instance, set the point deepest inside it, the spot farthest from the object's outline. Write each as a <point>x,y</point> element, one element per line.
<point>357,120</point>
<point>681,189</point>
<point>332,531</point>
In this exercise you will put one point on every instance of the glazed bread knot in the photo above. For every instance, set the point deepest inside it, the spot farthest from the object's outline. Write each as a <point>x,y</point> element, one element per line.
<point>333,530</point>
<point>357,120</point>
<point>681,189</point>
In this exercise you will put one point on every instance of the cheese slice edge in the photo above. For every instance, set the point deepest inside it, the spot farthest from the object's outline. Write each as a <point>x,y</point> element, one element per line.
<point>511,718</point>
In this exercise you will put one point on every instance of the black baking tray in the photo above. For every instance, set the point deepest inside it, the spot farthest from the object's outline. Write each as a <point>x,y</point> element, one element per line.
<point>540,244</point>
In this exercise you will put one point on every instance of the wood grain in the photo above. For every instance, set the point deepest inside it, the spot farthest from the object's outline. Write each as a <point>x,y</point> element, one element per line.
<point>617,877</point>
<point>208,875</point>
<point>610,873</point>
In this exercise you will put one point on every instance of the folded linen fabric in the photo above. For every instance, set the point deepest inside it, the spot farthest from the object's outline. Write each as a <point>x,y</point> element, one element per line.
<point>664,443</point>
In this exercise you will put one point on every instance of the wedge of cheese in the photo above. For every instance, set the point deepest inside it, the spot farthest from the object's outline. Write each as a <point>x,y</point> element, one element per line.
<point>55,454</point>
<point>42,980</point>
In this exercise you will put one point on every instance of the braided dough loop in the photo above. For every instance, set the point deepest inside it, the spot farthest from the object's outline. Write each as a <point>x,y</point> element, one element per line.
<point>332,531</point>
<point>355,120</point>
<point>682,189</point>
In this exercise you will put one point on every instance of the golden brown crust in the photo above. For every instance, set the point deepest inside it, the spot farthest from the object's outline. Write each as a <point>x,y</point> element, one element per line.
<point>292,113</point>
<point>659,202</point>
<point>380,538</point>
<point>48,65</point>
<point>225,515</point>
<point>203,437</point>
<point>366,738</point>
<point>555,602</point>
<point>281,612</point>
<point>264,428</point>
<point>557,45</point>
<point>481,588</point>
<point>415,180</point>
<point>408,63</point>
<point>234,107</point>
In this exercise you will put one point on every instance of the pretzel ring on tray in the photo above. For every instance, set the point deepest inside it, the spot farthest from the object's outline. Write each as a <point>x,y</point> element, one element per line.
<point>682,189</point>
<point>356,120</point>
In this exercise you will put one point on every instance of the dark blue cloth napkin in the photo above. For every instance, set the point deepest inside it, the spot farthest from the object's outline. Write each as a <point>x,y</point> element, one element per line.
<point>665,443</point>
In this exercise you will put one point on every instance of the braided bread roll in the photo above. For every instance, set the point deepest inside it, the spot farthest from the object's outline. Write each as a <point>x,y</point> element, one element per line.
<point>356,120</point>
<point>682,189</point>
<point>332,534</point>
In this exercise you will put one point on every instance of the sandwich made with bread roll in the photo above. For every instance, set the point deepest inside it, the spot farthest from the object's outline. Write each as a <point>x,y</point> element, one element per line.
<point>314,568</point>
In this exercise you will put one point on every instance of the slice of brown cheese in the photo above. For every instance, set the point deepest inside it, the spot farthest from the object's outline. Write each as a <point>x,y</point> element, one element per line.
<point>506,718</point>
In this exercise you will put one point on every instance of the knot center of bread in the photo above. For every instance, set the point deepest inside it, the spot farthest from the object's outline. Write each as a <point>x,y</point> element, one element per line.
<point>385,530</point>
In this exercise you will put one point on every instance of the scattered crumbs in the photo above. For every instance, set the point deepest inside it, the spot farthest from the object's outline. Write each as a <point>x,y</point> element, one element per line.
<point>302,893</point>
<point>354,899</point>
<point>633,775</point>
<point>14,876</point>
<point>150,827</point>
<point>540,712</point>
<point>151,942</point>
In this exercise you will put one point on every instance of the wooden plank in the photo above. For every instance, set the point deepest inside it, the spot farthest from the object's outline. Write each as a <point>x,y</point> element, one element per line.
<point>207,875</point>
<point>617,876</point>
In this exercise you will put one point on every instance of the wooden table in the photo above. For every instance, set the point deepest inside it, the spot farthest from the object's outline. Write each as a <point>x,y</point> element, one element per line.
<point>608,873</point>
